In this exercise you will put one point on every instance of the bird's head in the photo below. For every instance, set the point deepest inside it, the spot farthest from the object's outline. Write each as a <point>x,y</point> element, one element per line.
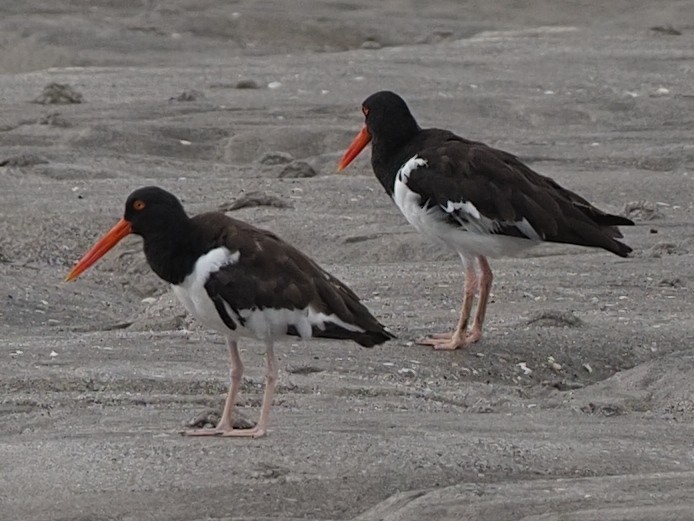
<point>148,211</point>
<point>152,210</point>
<point>387,122</point>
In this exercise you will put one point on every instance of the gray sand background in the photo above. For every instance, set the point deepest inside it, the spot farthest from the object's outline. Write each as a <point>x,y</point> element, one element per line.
<point>576,405</point>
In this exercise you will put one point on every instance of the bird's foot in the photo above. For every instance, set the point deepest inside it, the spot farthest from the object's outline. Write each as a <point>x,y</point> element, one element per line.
<point>451,341</point>
<point>239,423</point>
<point>255,432</point>
<point>231,432</point>
<point>473,336</point>
<point>436,336</point>
<point>203,432</point>
<point>444,342</point>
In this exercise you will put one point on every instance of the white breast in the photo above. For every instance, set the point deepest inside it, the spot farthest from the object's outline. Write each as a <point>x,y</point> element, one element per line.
<point>192,294</point>
<point>409,201</point>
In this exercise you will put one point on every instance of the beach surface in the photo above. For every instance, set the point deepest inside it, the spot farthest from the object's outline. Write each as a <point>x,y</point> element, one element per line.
<point>576,405</point>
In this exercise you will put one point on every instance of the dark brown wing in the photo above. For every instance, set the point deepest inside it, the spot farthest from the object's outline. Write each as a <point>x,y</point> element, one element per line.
<point>598,216</point>
<point>510,198</point>
<point>272,274</point>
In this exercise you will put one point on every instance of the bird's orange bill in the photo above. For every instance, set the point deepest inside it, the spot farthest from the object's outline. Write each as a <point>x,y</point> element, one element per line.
<point>362,139</point>
<point>108,241</point>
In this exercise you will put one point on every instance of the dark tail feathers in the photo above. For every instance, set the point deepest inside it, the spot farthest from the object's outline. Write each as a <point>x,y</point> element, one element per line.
<point>619,248</point>
<point>333,331</point>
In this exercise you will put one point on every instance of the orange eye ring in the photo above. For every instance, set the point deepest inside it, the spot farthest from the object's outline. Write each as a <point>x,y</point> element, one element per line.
<point>139,205</point>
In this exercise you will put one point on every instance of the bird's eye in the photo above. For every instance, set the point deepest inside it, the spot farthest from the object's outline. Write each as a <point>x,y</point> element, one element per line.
<point>139,205</point>
<point>365,110</point>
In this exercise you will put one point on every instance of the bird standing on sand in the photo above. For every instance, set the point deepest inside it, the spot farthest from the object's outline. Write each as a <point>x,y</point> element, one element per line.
<point>479,201</point>
<point>241,281</point>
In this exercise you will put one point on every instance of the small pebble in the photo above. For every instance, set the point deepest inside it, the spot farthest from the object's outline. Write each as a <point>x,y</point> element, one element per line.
<point>276,158</point>
<point>58,93</point>
<point>23,160</point>
<point>371,44</point>
<point>298,169</point>
<point>247,84</point>
<point>526,370</point>
<point>188,95</point>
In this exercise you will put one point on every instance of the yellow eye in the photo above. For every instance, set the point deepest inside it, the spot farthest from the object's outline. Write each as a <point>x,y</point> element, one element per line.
<point>139,205</point>
<point>365,110</point>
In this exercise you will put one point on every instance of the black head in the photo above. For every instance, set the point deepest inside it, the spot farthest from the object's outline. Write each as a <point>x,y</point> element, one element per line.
<point>388,118</point>
<point>159,218</point>
<point>152,210</point>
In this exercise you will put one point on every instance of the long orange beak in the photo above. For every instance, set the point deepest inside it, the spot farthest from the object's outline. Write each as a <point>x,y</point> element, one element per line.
<point>362,139</point>
<point>108,241</point>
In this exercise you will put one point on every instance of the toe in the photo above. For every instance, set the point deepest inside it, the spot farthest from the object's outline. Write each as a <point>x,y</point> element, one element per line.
<point>434,339</point>
<point>243,433</point>
<point>202,432</point>
<point>446,346</point>
<point>473,336</point>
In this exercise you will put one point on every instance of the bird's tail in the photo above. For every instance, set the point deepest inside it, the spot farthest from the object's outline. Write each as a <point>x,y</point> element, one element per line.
<point>365,339</point>
<point>338,313</point>
<point>586,233</point>
<point>619,248</point>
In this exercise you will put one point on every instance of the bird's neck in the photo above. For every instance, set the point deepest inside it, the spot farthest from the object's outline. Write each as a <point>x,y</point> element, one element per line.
<point>172,252</point>
<point>387,157</point>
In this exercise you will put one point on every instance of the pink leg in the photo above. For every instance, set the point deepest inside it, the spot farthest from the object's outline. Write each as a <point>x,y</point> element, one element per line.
<point>486,280</point>
<point>457,339</point>
<point>270,384</point>
<point>225,424</point>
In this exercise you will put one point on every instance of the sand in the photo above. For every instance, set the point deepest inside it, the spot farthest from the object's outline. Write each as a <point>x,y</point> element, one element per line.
<point>576,405</point>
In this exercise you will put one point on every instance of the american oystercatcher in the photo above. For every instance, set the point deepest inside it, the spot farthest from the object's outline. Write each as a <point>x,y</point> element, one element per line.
<point>241,281</point>
<point>479,201</point>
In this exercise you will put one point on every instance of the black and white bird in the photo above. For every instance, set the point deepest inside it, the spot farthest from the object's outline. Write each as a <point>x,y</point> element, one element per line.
<point>480,201</point>
<point>241,281</point>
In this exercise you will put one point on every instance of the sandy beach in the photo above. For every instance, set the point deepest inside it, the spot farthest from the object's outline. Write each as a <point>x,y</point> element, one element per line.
<point>576,405</point>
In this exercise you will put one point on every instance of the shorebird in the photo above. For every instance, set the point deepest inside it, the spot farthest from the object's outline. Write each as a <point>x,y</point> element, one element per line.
<point>241,281</point>
<point>477,200</point>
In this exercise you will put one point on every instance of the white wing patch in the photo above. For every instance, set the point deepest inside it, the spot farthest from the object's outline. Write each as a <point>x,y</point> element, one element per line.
<point>319,319</point>
<point>527,229</point>
<point>411,164</point>
<point>465,206</point>
<point>476,222</point>
<point>273,322</point>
